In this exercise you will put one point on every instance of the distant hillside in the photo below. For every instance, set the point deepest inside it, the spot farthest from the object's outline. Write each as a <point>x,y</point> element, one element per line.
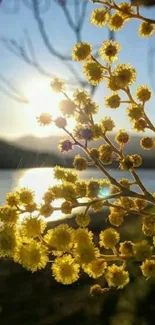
<point>49,144</point>
<point>29,152</point>
<point>13,157</point>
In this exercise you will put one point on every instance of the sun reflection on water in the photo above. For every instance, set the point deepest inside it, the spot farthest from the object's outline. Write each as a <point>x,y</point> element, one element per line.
<point>38,180</point>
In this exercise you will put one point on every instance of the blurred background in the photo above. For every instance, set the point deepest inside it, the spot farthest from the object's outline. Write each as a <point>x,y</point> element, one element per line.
<point>36,39</point>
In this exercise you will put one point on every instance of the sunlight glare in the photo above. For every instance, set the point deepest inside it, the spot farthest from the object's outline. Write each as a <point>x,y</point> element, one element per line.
<point>43,100</point>
<point>38,180</point>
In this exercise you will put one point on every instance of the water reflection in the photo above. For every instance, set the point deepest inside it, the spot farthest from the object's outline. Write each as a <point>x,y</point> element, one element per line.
<point>38,180</point>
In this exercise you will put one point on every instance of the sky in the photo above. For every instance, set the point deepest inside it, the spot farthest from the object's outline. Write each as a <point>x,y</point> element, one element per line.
<point>16,16</point>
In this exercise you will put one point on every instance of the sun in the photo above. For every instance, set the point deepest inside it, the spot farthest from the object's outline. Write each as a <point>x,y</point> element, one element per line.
<point>43,100</point>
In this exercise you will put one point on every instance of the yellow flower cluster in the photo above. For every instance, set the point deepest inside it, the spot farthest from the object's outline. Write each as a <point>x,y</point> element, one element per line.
<point>25,234</point>
<point>116,276</point>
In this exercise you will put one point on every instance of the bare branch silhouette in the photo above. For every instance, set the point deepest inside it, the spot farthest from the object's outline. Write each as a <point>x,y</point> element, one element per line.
<point>44,35</point>
<point>25,49</point>
<point>44,5</point>
<point>8,89</point>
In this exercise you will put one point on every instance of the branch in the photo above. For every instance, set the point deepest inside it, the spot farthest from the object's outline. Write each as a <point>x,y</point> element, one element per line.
<point>43,9</point>
<point>77,10</point>
<point>68,17</point>
<point>20,52</point>
<point>12,92</point>
<point>83,14</point>
<point>27,53</point>
<point>44,35</point>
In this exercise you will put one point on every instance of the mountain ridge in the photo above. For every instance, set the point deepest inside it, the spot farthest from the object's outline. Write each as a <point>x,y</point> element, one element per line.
<point>29,152</point>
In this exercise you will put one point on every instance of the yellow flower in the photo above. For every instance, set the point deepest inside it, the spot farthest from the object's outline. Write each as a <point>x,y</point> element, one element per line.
<point>81,118</point>
<point>125,182</point>
<point>119,209</point>
<point>65,145</point>
<point>98,206</point>
<point>140,125</point>
<point>94,153</point>
<point>2,225</point>
<point>93,188</point>
<point>46,210</point>
<point>83,219</point>
<point>147,143</point>
<point>57,190</point>
<point>57,85</point>
<point>65,270</point>
<point>146,29</point>
<point>70,176</point>
<point>26,196</point>
<point>142,250</point>
<point>105,154</point>
<point>105,184</point>
<point>135,112</point>
<point>49,196</point>
<point>116,22</point>
<point>81,188</point>
<point>59,172</point>
<point>148,231</point>
<point>80,96</point>
<point>85,254</point>
<point>90,107</point>
<point>82,236</point>
<point>126,163</point>
<point>8,241</point>
<point>66,207</point>
<point>126,248</point>
<point>96,268</point>
<point>99,17</point>
<point>80,163</point>
<point>148,268</point>
<point>94,72</point>
<point>127,203</point>
<point>112,83</point>
<point>115,219</point>
<point>141,204</point>
<point>69,191</point>
<point>149,221</point>
<point>64,175</point>
<point>9,214</point>
<point>116,276</point>
<point>107,124</point>
<point>97,131</point>
<point>113,101</point>
<point>31,207</point>
<point>60,122</point>
<point>60,238</point>
<point>122,137</point>
<point>81,51</point>
<point>126,10</point>
<point>12,199</point>
<point>32,226</point>
<point>96,290</point>
<point>32,256</point>
<point>137,160</point>
<point>143,93</point>
<point>67,107</point>
<point>125,75</point>
<point>44,119</point>
<point>109,238</point>
<point>109,50</point>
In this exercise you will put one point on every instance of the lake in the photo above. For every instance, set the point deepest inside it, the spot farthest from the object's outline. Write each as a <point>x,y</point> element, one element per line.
<point>39,179</point>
